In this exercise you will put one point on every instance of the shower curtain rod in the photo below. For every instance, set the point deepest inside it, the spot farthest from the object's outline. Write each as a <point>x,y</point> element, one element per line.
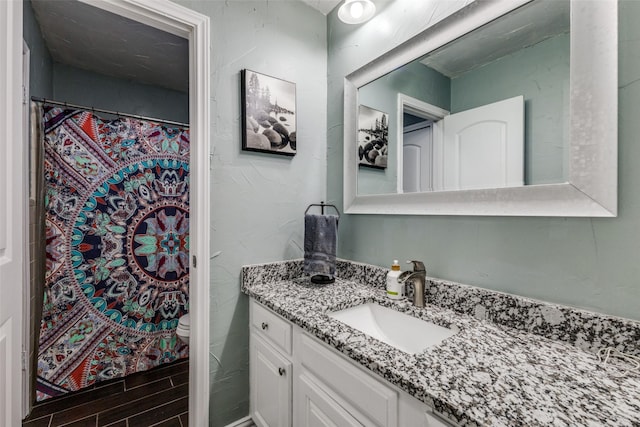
<point>101,110</point>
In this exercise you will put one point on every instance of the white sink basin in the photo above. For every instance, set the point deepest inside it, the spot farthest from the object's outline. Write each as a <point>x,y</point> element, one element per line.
<point>399,330</point>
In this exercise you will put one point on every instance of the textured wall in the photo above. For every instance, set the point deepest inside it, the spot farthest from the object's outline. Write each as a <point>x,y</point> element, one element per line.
<point>583,262</point>
<point>90,89</point>
<point>258,200</point>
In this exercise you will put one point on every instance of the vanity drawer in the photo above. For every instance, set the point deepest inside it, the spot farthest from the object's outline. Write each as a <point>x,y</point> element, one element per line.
<point>271,326</point>
<point>362,395</point>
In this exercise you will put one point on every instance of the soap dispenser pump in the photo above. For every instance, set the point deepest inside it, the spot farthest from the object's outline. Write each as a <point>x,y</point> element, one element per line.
<point>394,287</point>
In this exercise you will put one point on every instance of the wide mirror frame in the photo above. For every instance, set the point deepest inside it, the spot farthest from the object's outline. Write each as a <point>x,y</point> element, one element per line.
<point>591,190</point>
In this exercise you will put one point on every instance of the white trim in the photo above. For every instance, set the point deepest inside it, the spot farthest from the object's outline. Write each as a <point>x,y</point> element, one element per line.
<point>11,234</point>
<point>26,232</point>
<point>418,126</point>
<point>593,164</point>
<point>242,422</point>
<point>426,111</point>
<point>184,22</point>
<point>420,108</point>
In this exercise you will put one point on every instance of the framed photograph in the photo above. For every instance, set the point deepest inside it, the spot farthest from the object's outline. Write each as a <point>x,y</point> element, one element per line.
<point>373,137</point>
<point>268,114</point>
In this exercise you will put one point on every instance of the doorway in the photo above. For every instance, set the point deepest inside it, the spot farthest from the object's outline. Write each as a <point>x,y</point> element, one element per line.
<point>417,154</point>
<point>419,142</point>
<point>195,28</point>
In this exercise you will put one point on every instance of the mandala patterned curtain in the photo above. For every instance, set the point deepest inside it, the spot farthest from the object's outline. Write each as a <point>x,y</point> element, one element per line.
<point>117,246</point>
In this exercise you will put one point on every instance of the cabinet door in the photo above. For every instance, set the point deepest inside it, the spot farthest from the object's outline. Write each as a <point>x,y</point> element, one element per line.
<point>415,413</point>
<point>316,408</point>
<point>270,385</point>
<point>367,399</point>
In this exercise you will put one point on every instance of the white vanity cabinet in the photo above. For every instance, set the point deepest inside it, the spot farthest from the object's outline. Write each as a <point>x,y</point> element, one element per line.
<point>298,380</point>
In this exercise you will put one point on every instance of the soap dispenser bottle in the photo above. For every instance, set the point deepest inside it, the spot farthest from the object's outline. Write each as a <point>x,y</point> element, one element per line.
<point>394,287</point>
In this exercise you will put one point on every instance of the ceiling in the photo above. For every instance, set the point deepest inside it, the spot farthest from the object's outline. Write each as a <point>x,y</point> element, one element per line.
<point>92,39</point>
<point>521,28</point>
<point>324,6</point>
<point>89,38</point>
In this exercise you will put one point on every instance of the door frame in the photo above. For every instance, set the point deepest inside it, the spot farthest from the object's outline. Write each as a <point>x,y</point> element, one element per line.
<point>181,21</point>
<point>26,349</point>
<point>427,111</point>
<point>12,197</point>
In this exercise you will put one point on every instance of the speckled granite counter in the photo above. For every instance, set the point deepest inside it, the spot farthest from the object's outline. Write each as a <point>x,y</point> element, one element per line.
<point>486,374</point>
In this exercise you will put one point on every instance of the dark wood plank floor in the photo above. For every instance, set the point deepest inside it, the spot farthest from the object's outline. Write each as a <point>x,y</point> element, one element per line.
<point>158,397</point>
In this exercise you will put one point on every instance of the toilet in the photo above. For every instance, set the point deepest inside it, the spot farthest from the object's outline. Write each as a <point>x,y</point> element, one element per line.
<point>182,331</point>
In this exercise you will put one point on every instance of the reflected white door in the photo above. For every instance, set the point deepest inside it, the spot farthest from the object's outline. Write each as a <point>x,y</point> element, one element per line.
<point>12,212</point>
<point>484,147</point>
<point>417,152</point>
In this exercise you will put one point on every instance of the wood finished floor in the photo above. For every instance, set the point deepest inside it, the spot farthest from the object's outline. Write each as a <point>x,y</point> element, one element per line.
<point>158,397</point>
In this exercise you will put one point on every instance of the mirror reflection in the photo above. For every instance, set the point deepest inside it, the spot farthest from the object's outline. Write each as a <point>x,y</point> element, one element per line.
<point>488,110</point>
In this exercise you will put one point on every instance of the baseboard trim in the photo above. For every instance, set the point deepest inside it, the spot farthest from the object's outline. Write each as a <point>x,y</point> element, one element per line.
<point>242,422</point>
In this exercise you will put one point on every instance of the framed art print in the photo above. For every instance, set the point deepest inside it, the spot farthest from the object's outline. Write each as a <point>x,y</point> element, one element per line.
<point>268,114</point>
<point>373,137</point>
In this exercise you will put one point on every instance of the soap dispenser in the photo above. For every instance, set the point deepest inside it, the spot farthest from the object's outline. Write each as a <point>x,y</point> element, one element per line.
<point>394,287</point>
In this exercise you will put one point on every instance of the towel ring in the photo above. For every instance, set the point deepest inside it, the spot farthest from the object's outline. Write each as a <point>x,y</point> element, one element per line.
<point>322,205</point>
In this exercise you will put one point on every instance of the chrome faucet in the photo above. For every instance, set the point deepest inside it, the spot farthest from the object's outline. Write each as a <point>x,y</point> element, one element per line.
<point>417,278</point>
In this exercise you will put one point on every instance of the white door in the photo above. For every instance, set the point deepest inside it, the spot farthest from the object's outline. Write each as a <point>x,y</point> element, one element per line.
<point>417,152</point>
<point>484,147</point>
<point>12,212</point>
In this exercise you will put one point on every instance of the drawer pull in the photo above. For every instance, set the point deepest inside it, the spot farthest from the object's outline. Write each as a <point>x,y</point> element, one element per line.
<point>282,371</point>
<point>265,326</point>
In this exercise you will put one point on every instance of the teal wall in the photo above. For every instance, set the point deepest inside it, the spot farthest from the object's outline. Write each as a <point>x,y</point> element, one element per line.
<point>591,263</point>
<point>415,80</point>
<point>90,89</point>
<point>40,63</point>
<point>541,74</point>
<point>257,200</point>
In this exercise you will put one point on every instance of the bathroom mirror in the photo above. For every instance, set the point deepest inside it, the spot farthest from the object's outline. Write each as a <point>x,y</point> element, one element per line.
<point>514,105</point>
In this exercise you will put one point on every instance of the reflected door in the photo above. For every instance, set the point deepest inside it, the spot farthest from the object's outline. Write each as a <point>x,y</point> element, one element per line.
<point>484,147</point>
<point>417,158</point>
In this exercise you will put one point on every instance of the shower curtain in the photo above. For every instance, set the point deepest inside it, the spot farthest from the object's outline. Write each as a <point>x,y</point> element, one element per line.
<point>116,200</point>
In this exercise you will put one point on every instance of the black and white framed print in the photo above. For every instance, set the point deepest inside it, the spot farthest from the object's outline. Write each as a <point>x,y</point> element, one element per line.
<point>268,114</point>
<point>373,137</point>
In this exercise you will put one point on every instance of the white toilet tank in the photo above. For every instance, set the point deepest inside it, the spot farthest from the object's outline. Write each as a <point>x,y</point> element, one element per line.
<point>182,331</point>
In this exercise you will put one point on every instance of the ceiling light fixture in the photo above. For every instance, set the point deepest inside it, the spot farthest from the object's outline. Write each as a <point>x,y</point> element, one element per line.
<point>356,11</point>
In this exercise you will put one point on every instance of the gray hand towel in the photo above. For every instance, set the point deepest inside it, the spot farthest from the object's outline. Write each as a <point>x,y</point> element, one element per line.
<point>320,239</point>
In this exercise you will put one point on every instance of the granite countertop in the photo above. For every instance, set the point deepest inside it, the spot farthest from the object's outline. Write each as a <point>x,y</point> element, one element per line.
<point>486,374</point>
